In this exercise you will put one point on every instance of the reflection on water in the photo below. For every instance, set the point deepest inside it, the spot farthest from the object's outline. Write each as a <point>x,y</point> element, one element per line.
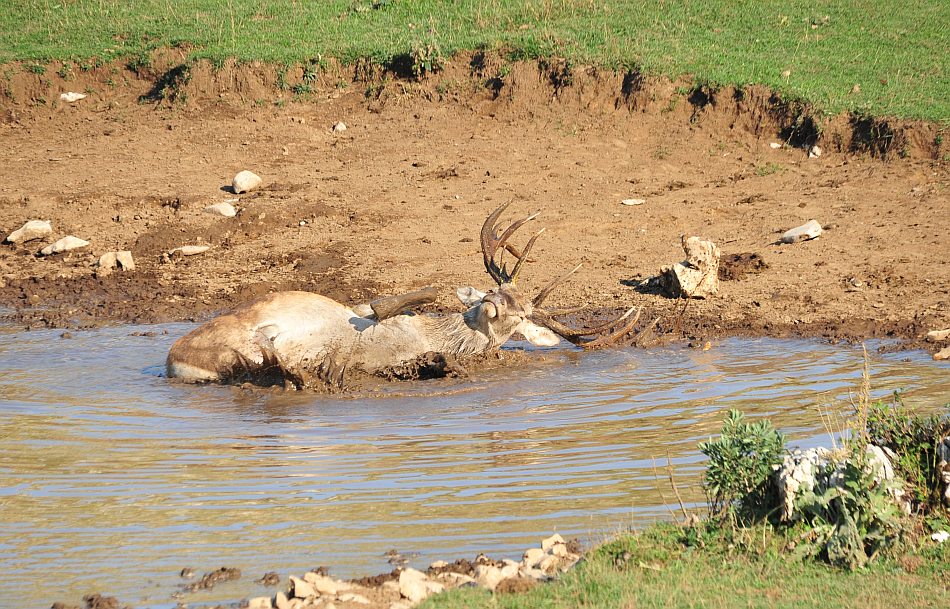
<point>112,478</point>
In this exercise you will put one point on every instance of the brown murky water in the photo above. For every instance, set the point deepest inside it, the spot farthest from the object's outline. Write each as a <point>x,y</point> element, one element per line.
<point>112,479</point>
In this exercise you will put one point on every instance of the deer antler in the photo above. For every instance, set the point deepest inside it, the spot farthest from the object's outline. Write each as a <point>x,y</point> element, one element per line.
<point>492,242</point>
<point>616,328</point>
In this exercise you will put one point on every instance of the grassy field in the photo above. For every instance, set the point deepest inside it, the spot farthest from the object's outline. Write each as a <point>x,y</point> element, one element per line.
<point>657,569</point>
<point>895,51</point>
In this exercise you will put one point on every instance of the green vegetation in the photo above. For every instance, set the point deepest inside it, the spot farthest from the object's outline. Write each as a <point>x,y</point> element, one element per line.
<point>743,556</point>
<point>669,566</point>
<point>815,50</point>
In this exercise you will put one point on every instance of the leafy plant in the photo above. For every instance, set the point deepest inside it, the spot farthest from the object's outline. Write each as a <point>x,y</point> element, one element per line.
<point>854,518</point>
<point>425,54</point>
<point>914,439</point>
<point>738,479</point>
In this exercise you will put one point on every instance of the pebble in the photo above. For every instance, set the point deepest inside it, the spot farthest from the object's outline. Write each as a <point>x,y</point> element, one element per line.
<point>71,96</point>
<point>222,209</point>
<point>64,245</point>
<point>940,536</point>
<point>809,230</point>
<point>416,586</point>
<point>547,544</point>
<point>938,335</point>
<point>815,152</point>
<point>324,584</point>
<point>340,127</point>
<point>261,602</point>
<point>246,181</point>
<point>943,354</point>
<point>488,576</point>
<point>532,557</point>
<point>111,260</point>
<point>775,145</point>
<point>34,229</point>
<point>281,601</point>
<point>633,201</point>
<point>190,250</point>
<point>300,588</point>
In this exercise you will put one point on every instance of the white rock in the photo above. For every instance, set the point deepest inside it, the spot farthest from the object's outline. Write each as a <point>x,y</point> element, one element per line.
<point>940,536</point>
<point>190,250</point>
<point>547,544</point>
<point>64,245</point>
<point>261,602</point>
<point>340,127</point>
<point>107,261</point>
<point>549,564</point>
<point>532,557</point>
<point>325,585</point>
<point>815,152</point>
<point>808,230</point>
<point>938,335</point>
<point>71,96</point>
<point>439,564</point>
<point>698,275</point>
<point>633,201</point>
<point>281,601</point>
<point>34,229</point>
<point>246,181</point>
<point>300,588</point>
<point>942,354</point>
<point>488,576</point>
<point>222,209</point>
<point>124,258</point>
<point>775,145</point>
<point>559,549</point>
<point>456,580</point>
<point>416,586</point>
<point>352,597</point>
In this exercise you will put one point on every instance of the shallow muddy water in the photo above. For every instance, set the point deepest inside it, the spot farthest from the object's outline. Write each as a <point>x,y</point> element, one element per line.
<point>113,479</point>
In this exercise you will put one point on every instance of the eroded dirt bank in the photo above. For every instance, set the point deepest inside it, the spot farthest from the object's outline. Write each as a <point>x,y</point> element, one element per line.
<point>395,201</point>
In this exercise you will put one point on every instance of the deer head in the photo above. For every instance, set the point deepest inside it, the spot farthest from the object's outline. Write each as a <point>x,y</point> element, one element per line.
<point>503,310</point>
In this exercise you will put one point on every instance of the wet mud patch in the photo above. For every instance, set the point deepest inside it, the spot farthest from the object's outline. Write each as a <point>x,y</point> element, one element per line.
<point>733,267</point>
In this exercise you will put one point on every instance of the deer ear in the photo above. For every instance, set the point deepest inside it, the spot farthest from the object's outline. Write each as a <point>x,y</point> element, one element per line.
<point>469,296</point>
<point>538,336</point>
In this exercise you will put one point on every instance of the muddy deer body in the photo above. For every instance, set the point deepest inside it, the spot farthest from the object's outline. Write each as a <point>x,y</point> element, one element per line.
<point>294,330</point>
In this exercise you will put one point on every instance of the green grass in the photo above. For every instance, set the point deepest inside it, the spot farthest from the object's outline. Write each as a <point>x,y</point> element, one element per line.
<point>815,50</point>
<point>656,569</point>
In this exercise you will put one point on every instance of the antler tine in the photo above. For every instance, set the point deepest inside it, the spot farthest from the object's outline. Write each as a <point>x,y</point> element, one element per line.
<point>524,255</point>
<point>491,242</point>
<point>546,291</point>
<point>575,335</point>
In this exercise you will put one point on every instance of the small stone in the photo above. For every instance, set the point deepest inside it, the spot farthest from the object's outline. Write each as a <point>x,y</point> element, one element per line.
<point>439,564</point>
<point>107,261</point>
<point>222,209</point>
<point>488,576</point>
<point>246,181</point>
<point>71,97</point>
<point>547,544</point>
<point>325,585</point>
<point>940,536</point>
<point>532,557</point>
<point>261,602</point>
<point>271,578</point>
<point>300,588</point>
<point>65,244</point>
<point>352,597</point>
<point>775,145</point>
<point>633,201</point>
<point>814,152</point>
<point>560,549</point>
<point>340,127</point>
<point>190,250</point>
<point>281,601</point>
<point>549,564</point>
<point>943,354</point>
<point>855,89</point>
<point>938,335</point>
<point>416,587</point>
<point>809,230</point>
<point>125,261</point>
<point>34,229</point>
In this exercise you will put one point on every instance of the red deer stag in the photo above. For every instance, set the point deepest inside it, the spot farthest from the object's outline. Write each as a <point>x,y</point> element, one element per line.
<point>290,331</point>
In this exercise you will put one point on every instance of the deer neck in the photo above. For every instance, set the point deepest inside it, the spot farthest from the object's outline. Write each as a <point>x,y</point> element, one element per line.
<point>458,334</point>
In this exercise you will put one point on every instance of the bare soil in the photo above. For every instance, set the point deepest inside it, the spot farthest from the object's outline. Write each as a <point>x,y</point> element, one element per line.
<point>394,202</point>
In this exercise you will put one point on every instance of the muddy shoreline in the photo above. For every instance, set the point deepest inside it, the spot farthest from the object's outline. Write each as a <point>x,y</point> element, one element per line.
<point>394,203</point>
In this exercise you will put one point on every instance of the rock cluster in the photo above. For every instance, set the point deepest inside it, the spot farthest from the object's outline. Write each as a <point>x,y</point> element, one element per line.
<point>817,469</point>
<point>407,587</point>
